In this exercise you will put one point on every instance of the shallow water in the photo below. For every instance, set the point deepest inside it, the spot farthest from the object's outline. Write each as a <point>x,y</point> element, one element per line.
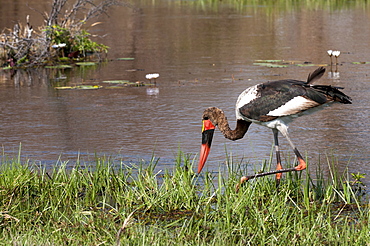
<point>205,56</point>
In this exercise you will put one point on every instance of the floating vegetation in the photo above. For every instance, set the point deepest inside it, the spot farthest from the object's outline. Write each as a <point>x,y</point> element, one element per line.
<point>268,61</point>
<point>128,83</point>
<point>64,59</point>
<point>62,35</point>
<point>125,59</point>
<point>283,63</point>
<point>117,85</point>
<point>79,87</point>
<point>266,64</point>
<point>357,63</point>
<point>85,63</point>
<point>117,81</point>
<point>311,65</point>
<point>59,66</point>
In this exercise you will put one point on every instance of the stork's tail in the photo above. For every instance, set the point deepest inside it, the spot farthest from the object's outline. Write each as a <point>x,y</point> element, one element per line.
<point>333,93</point>
<point>315,75</point>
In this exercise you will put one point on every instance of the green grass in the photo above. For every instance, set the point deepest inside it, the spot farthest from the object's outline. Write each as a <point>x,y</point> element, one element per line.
<point>104,204</point>
<point>267,6</point>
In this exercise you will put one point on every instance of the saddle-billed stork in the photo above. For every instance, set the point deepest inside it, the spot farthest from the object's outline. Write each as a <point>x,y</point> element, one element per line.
<point>274,105</point>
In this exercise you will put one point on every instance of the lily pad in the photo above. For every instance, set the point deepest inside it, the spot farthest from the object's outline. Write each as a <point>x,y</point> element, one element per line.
<point>125,59</point>
<point>265,64</point>
<point>85,63</point>
<point>268,61</point>
<point>79,87</point>
<point>311,65</point>
<point>127,83</point>
<point>360,63</point>
<point>59,66</point>
<point>89,87</point>
<point>284,63</point>
<point>117,81</point>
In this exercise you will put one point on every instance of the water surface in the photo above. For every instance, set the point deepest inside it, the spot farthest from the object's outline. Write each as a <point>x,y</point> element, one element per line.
<point>205,56</point>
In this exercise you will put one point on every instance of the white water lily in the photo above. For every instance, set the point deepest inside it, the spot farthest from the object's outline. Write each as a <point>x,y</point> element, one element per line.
<point>151,76</point>
<point>330,52</point>
<point>336,53</point>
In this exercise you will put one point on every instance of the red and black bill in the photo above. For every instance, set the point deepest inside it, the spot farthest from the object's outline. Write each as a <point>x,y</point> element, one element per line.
<point>207,135</point>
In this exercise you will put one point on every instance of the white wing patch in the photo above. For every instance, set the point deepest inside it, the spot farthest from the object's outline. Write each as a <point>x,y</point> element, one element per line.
<point>294,106</point>
<point>244,98</point>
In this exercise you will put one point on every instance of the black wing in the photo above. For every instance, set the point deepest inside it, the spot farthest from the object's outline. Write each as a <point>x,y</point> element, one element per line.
<point>273,95</point>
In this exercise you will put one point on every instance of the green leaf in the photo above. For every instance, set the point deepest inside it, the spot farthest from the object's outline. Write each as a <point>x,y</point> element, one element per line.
<point>79,87</point>
<point>125,59</point>
<point>63,88</point>
<point>268,61</point>
<point>360,63</point>
<point>311,65</point>
<point>63,58</point>
<point>85,63</point>
<point>59,66</point>
<point>88,87</point>
<point>269,64</point>
<point>117,81</point>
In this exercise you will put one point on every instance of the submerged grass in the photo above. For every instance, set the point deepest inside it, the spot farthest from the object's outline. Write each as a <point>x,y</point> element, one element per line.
<point>136,205</point>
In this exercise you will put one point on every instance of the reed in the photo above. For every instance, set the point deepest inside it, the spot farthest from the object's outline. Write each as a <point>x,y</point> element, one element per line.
<point>106,203</point>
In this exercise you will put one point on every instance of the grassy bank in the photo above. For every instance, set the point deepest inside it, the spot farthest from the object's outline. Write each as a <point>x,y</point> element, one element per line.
<point>134,205</point>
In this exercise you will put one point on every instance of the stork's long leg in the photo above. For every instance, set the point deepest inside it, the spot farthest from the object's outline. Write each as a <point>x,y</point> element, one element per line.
<point>301,162</point>
<point>278,159</point>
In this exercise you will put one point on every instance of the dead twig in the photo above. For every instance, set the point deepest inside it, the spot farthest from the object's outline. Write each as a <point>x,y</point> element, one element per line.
<point>126,223</point>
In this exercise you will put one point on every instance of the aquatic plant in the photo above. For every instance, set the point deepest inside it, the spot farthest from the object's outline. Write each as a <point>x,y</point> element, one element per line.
<point>62,35</point>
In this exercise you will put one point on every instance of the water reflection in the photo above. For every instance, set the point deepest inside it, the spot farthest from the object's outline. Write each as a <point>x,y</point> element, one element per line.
<point>152,91</point>
<point>205,58</point>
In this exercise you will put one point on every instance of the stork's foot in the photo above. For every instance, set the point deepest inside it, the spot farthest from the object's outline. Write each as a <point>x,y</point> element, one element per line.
<point>242,180</point>
<point>301,165</point>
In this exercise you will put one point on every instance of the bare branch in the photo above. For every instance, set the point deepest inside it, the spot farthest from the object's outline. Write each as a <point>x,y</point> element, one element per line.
<point>55,11</point>
<point>62,29</point>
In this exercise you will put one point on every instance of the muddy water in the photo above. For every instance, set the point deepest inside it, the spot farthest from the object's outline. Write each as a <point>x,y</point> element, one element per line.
<point>205,56</point>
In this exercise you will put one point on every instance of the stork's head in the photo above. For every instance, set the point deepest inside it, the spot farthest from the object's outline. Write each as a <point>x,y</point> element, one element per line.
<point>208,128</point>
